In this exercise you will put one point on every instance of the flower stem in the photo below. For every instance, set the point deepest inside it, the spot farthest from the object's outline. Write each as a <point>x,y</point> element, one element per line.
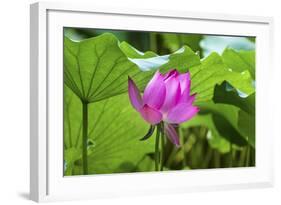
<point>162,146</point>
<point>157,148</point>
<point>85,138</point>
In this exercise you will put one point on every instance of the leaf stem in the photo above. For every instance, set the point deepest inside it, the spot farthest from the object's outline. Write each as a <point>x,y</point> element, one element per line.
<point>85,138</point>
<point>156,154</point>
<point>230,155</point>
<point>153,42</point>
<point>248,155</point>
<point>181,135</point>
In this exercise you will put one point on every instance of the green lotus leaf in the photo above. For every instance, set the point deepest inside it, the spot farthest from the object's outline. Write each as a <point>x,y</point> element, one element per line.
<point>240,61</point>
<point>182,59</point>
<point>228,121</point>
<point>113,134</point>
<point>212,72</point>
<point>131,52</point>
<point>247,126</point>
<point>228,95</point>
<point>246,114</point>
<point>98,68</point>
<point>176,41</point>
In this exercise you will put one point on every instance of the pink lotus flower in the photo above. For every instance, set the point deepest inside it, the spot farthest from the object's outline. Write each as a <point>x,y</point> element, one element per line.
<point>167,99</point>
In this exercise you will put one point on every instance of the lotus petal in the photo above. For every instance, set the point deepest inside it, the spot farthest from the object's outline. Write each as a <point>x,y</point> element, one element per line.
<point>155,91</point>
<point>151,115</point>
<point>185,98</point>
<point>171,73</point>
<point>181,113</point>
<point>134,94</point>
<point>185,82</point>
<point>172,134</point>
<point>173,92</point>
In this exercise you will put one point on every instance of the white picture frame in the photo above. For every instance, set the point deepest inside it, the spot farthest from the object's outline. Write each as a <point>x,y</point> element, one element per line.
<point>46,168</point>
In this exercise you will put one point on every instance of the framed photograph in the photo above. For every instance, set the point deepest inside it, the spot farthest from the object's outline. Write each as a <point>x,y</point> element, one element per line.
<point>131,102</point>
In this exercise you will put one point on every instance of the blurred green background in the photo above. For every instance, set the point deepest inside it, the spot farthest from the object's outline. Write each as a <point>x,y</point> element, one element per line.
<point>165,43</point>
<point>222,135</point>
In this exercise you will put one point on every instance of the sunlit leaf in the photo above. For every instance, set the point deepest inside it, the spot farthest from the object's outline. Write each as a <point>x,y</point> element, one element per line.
<point>240,61</point>
<point>113,133</point>
<point>212,72</point>
<point>71,155</point>
<point>182,59</point>
<point>98,68</point>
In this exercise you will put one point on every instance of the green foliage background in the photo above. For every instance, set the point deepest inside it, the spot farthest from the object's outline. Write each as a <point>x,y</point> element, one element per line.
<point>97,64</point>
